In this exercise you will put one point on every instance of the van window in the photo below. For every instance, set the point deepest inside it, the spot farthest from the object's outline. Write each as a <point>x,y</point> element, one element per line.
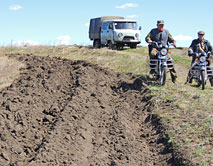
<point>110,24</point>
<point>104,27</point>
<point>126,25</point>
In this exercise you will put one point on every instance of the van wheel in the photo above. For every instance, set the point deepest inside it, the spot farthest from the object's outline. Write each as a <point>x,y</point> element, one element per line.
<point>96,44</point>
<point>112,46</point>
<point>120,47</point>
<point>133,46</point>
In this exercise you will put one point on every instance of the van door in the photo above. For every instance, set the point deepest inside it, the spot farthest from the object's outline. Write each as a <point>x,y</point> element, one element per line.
<point>110,32</point>
<point>104,33</point>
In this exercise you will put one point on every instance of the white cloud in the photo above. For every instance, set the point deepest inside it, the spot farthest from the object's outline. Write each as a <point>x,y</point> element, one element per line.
<point>15,7</point>
<point>61,40</point>
<point>132,16</point>
<point>183,38</point>
<point>25,43</point>
<point>87,24</point>
<point>127,5</point>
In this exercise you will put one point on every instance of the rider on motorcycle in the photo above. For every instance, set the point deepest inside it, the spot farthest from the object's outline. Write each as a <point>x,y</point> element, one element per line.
<point>199,45</point>
<point>162,36</point>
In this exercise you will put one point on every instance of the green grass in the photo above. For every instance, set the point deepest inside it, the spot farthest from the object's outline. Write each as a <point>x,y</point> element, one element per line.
<point>181,60</point>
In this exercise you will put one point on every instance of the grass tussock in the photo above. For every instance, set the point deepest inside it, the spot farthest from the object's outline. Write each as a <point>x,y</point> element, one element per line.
<point>9,71</point>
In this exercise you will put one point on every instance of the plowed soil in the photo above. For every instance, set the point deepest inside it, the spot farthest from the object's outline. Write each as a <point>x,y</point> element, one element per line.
<point>72,113</point>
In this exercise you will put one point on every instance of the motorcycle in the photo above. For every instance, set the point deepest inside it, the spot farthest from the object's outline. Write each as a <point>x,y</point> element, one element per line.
<point>161,63</point>
<point>200,71</point>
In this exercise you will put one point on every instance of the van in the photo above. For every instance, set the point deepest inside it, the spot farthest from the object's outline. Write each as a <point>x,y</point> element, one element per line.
<point>115,32</point>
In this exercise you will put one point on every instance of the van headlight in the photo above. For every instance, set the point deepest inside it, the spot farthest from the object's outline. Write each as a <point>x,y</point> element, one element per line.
<point>137,35</point>
<point>202,59</point>
<point>163,51</point>
<point>120,35</point>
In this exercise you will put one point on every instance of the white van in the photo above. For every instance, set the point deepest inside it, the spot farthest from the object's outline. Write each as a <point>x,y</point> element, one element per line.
<point>115,32</point>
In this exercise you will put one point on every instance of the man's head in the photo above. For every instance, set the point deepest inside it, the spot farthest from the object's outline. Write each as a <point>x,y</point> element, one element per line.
<point>201,35</point>
<point>160,25</point>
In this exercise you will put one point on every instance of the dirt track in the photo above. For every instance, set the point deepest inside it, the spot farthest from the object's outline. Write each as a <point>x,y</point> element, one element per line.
<point>66,113</point>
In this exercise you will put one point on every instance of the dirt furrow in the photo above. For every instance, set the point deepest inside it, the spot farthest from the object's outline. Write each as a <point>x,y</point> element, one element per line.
<point>61,112</point>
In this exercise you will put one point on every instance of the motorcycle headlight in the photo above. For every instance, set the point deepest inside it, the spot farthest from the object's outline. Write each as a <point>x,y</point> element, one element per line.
<point>137,35</point>
<point>120,35</point>
<point>202,59</point>
<point>163,51</point>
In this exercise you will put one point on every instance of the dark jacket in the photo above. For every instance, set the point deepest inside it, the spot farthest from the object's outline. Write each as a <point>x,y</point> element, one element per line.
<point>157,36</point>
<point>195,46</point>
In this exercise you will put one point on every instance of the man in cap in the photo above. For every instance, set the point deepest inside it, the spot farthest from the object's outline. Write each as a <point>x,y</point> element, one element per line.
<point>199,45</point>
<point>160,35</point>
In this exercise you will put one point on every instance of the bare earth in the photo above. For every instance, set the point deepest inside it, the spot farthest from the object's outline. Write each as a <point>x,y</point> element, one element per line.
<point>72,113</point>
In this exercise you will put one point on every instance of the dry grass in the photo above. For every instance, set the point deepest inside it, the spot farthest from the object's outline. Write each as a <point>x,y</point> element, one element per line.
<point>9,71</point>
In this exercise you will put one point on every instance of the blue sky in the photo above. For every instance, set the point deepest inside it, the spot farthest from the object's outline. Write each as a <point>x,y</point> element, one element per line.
<point>66,21</point>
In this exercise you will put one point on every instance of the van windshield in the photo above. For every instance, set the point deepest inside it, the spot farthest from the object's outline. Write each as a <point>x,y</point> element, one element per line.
<point>125,25</point>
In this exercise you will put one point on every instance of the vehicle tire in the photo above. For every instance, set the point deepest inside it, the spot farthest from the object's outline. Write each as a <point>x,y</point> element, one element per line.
<point>133,46</point>
<point>120,47</point>
<point>203,79</point>
<point>163,76</point>
<point>96,44</point>
<point>112,46</point>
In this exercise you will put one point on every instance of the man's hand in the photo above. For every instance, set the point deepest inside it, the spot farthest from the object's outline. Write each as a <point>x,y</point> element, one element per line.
<point>190,52</point>
<point>209,53</point>
<point>175,44</point>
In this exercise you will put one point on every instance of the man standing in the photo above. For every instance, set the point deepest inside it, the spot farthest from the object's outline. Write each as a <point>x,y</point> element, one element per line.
<point>160,35</point>
<point>199,45</point>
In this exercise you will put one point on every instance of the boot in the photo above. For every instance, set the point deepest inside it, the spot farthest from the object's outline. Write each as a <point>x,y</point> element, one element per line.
<point>173,75</point>
<point>211,81</point>
<point>189,78</point>
<point>174,78</point>
<point>152,71</point>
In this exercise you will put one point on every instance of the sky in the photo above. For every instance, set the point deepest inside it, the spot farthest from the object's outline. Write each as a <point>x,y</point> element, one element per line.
<point>55,22</point>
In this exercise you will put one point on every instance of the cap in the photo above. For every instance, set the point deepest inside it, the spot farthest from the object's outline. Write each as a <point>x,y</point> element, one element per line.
<point>201,33</point>
<point>160,22</point>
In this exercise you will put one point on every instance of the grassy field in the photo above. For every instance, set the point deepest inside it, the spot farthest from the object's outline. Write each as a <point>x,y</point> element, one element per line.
<point>9,70</point>
<point>185,109</point>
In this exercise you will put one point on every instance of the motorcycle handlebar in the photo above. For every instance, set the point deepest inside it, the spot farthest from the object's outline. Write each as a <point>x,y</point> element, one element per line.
<point>199,54</point>
<point>157,45</point>
<point>154,43</point>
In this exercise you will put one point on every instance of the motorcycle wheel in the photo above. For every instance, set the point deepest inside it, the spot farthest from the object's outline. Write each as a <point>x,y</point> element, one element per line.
<point>203,79</point>
<point>163,76</point>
